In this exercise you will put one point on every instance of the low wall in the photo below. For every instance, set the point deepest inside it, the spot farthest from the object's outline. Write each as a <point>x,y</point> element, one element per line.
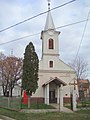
<point>66,99</point>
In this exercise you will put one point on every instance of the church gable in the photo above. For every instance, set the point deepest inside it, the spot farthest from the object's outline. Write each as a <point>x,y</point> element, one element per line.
<point>65,66</point>
<point>55,64</point>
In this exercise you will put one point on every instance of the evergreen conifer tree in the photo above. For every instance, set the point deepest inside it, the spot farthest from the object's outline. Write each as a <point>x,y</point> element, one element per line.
<point>30,70</point>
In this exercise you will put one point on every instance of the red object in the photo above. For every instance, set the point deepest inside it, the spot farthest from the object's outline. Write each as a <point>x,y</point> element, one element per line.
<point>25,97</point>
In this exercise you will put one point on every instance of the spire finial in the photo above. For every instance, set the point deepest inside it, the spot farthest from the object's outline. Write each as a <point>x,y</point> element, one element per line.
<point>11,52</point>
<point>49,4</point>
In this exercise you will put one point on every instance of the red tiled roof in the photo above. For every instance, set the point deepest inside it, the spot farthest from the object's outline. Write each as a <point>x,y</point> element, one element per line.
<point>83,81</point>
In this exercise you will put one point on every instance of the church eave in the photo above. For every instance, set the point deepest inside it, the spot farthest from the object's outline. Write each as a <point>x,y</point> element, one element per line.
<point>56,71</point>
<point>44,31</point>
<point>56,81</point>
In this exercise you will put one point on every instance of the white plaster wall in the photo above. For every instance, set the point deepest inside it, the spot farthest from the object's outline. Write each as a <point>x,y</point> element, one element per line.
<point>46,76</point>
<point>57,64</point>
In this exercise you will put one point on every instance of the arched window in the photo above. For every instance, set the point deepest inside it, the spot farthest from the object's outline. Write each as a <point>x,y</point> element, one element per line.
<point>51,44</point>
<point>50,64</point>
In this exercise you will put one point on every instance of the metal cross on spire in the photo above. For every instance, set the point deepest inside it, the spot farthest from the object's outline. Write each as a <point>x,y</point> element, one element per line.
<point>12,52</point>
<point>49,4</point>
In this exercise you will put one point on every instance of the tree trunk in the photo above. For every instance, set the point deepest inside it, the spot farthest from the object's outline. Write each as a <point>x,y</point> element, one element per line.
<point>4,90</point>
<point>28,102</point>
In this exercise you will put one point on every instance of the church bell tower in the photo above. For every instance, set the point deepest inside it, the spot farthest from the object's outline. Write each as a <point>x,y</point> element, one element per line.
<point>50,42</point>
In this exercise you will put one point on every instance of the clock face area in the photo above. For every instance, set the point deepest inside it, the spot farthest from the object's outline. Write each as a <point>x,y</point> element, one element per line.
<point>50,32</point>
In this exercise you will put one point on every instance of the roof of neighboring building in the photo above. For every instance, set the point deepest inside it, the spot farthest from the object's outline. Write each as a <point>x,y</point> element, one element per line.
<point>83,84</point>
<point>83,81</point>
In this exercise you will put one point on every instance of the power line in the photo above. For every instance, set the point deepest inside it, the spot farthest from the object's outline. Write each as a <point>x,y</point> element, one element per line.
<point>39,32</point>
<point>35,16</point>
<point>19,39</point>
<point>82,36</point>
<point>72,23</point>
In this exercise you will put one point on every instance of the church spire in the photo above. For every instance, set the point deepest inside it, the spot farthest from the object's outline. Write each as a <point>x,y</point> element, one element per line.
<point>49,21</point>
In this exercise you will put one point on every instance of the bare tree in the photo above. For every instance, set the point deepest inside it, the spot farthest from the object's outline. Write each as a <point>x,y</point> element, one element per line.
<point>81,67</point>
<point>11,73</point>
<point>2,77</point>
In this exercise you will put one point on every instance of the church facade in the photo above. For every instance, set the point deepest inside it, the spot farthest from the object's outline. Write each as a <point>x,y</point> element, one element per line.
<point>54,74</point>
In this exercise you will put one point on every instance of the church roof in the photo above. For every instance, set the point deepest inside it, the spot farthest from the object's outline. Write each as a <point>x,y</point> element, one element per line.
<point>49,22</point>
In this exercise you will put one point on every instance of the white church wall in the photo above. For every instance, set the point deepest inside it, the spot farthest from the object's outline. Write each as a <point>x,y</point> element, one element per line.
<point>57,64</point>
<point>46,76</point>
<point>39,92</point>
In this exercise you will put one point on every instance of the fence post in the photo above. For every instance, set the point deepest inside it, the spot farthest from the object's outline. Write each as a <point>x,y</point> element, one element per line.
<point>74,100</point>
<point>8,102</point>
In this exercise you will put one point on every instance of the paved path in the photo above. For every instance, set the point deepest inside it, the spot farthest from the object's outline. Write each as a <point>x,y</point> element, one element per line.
<point>63,109</point>
<point>5,118</point>
<point>66,110</point>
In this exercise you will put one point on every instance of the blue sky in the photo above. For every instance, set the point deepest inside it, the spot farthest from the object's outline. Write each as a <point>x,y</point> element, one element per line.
<point>13,11</point>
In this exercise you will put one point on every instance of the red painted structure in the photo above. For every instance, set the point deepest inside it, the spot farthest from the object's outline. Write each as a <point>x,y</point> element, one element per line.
<point>25,97</point>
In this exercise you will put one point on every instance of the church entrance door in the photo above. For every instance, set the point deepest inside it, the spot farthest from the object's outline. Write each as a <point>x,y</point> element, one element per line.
<point>52,96</point>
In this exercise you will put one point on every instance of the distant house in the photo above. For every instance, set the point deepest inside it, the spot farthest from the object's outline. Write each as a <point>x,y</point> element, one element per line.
<point>84,88</point>
<point>16,90</point>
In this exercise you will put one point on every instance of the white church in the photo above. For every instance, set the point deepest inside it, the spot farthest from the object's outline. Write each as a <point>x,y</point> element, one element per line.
<point>54,75</point>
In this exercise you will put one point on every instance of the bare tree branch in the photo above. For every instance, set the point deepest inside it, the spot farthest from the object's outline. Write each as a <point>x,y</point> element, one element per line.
<point>10,72</point>
<point>81,67</point>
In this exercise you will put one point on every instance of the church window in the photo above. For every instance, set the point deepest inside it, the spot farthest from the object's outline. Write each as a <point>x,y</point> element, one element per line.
<point>50,64</point>
<point>51,44</point>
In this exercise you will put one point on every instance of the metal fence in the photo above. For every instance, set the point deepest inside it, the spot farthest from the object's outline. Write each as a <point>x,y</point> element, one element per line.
<point>83,103</point>
<point>17,103</point>
<point>10,103</point>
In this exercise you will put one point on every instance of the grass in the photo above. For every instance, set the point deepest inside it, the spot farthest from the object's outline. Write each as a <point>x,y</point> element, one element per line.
<point>81,104</point>
<point>37,106</point>
<point>80,115</point>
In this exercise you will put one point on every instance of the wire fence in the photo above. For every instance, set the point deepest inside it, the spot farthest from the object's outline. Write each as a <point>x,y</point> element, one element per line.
<point>83,103</point>
<point>10,103</point>
<point>18,103</point>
